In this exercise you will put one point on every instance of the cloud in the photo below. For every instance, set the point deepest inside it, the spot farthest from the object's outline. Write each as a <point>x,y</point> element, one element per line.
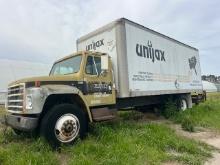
<point>44,30</point>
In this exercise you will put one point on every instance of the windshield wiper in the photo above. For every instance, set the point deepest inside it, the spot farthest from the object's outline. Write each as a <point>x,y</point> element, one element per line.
<point>69,73</point>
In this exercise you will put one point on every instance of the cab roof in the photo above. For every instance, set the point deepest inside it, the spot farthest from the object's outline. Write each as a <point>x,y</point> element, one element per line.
<point>78,53</point>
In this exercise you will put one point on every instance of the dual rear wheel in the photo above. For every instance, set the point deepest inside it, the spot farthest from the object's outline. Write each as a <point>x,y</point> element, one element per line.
<point>183,105</point>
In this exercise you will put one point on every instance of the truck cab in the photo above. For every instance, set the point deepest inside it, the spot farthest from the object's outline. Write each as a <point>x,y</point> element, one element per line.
<point>61,105</point>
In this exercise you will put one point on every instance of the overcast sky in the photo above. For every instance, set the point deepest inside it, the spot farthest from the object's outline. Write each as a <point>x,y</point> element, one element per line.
<point>44,30</point>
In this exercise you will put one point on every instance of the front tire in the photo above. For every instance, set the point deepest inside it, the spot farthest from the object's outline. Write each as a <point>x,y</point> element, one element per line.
<point>63,124</point>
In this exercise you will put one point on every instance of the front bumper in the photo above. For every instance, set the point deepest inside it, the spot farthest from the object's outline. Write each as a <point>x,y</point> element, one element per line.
<point>21,123</point>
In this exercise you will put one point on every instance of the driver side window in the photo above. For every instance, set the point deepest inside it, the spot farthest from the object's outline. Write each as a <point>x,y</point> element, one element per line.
<point>98,64</point>
<point>93,65</point>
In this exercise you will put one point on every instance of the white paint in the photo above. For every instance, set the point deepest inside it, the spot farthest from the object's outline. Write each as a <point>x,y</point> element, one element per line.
<point>109,46</point>
<point>141,76</point>
<point>160,75</point>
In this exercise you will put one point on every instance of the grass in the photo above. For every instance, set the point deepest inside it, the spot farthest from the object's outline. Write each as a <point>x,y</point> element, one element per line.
<point>204,115</point>
<point>2,110</point>
<point>122,142</point>
<point>125,141</point>
<point>129,142</point>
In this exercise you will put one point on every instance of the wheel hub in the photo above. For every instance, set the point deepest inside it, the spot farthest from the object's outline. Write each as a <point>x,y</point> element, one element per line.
<point>183,105</point>
<point>67,128</point>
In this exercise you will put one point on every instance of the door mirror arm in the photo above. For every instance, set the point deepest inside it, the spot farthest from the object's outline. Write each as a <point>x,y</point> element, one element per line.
<point>103,73</point>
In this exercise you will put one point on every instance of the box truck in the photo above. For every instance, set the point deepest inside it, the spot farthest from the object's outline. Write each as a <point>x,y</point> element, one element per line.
<point>120,65</point>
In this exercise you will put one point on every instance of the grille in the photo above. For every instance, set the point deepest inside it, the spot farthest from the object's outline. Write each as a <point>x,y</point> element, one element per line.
<point>16,97</point>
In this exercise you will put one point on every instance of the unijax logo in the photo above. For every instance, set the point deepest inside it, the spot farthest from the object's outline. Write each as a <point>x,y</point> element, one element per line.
<point>192,64</point>
<point>149,52</point>
<point>95,45</point>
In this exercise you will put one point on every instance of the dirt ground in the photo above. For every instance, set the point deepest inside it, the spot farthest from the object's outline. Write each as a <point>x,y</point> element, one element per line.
<point>207,136</point>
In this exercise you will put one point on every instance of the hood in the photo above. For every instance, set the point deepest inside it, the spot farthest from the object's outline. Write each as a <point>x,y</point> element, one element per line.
<point>48,79</point>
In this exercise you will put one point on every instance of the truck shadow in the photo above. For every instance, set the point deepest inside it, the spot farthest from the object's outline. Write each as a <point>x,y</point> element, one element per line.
<point>126,118</point>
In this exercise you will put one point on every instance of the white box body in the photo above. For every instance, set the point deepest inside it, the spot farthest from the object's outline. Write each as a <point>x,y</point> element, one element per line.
<point>145,62</point>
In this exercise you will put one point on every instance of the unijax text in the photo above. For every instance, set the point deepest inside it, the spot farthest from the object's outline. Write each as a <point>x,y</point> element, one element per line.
<point>149,52</point>
<point>95,45</point>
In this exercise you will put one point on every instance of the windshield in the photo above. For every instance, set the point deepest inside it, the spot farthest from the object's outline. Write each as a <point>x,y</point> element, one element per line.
<point>68,66</point>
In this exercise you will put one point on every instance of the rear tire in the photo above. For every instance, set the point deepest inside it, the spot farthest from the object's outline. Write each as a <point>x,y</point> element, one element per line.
<point>184,102</point>
<point>63,124</point>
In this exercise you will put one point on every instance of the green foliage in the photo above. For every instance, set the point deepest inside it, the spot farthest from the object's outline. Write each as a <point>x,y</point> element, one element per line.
<point>119,142</point>
<point>205,114</point>
<point>129,140</point>
<point>18,150</point>
<point>170,109</point>
<point>188,124</point>
<point>2,110</point>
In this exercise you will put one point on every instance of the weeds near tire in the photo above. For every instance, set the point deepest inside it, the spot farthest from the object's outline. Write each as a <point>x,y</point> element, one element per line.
<point>170,109</point>
<point>172,112</point>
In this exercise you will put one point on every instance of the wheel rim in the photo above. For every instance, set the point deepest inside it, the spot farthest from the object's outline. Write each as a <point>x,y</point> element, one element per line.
<point>67,128</point>
<point>183,105</point>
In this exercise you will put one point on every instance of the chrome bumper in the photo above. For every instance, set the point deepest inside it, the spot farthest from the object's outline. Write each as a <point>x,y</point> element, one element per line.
<point>21,123</point>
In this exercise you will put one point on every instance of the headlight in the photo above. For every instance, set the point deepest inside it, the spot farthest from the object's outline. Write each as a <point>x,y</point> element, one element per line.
<point>28,102</point>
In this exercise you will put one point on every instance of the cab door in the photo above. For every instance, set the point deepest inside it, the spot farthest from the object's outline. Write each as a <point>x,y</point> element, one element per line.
<point>99,85</point>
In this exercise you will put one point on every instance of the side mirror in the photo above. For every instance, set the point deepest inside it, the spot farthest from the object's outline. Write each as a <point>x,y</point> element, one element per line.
<point>104,63</point>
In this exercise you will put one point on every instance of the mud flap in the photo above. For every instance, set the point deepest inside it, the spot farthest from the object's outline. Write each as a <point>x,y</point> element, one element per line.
<point>188,98</point>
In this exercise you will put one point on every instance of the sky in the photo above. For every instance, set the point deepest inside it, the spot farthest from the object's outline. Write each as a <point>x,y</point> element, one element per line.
<point>43,31</point>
